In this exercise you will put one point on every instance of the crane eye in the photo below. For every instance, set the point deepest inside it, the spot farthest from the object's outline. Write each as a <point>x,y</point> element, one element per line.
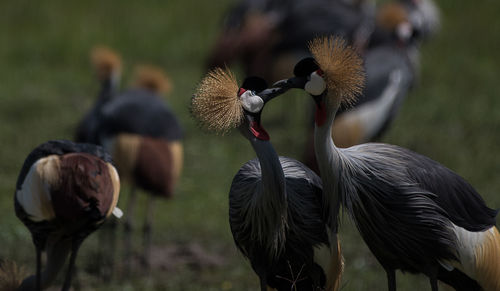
<point>316,85</point>
<point>251,102</point>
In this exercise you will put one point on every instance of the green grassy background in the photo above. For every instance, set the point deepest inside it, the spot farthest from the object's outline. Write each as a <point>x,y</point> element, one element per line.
<point>46,84</point>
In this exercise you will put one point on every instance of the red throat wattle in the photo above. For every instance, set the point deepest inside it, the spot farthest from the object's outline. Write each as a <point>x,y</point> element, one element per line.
<point>258,131</point>
<point>320,114</point>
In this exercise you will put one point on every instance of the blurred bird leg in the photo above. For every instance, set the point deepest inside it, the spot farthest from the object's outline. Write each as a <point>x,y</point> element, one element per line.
<point>129,221</point>
<point>75,246</point>
<point>147,231</point>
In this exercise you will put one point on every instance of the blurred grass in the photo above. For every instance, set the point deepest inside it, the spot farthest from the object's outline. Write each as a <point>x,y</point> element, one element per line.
<point>47,84</point>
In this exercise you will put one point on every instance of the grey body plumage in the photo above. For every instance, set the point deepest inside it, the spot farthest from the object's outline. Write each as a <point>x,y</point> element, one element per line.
<point>275,210</point>
<point>276,218</point>
<point>414,214</point>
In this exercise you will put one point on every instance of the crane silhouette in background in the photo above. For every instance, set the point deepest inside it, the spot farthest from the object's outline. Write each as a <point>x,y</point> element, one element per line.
<point>414,214</point>
<point>64,192</point>
<point>108,68</point>
<point>275,210</point>
<point>142,134</point>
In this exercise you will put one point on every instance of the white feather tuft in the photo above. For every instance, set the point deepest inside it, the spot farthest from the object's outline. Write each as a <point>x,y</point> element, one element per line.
<point>117,212</point>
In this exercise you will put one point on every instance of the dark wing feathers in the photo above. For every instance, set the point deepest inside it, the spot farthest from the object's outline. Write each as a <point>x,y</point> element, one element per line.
<point>139,112</point>
<point>59,147</point>
<point>401,225</point>
<point>461,202</point>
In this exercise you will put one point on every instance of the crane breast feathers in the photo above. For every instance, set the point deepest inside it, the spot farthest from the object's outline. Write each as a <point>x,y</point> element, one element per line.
<point>304,211</point>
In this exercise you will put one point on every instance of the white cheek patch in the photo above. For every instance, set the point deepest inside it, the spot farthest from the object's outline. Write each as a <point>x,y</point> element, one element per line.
<point>251,102</point>
<point>315,86</point>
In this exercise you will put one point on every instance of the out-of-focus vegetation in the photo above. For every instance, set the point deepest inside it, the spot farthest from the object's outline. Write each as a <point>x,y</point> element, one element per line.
<point>46,85</point>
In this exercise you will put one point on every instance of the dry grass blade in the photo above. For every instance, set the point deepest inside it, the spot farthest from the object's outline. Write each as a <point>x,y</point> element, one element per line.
<point>342,67</point>
<point>215,103</point>
<point>11,276</point>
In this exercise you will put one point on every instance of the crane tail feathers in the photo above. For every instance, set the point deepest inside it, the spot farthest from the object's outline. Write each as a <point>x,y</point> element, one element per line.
<point>487,255</point>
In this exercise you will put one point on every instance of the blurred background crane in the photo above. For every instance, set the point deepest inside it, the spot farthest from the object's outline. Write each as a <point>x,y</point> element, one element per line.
<point>451,116</point>
<point>64,192</point>
<point>142,134</point>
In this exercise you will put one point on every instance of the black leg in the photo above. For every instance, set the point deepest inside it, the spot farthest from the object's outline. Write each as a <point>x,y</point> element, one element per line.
<point>38,268</point>
<point>74,250</point>
<point>147,232</point>
<point>434,284</point>
<point>111,254</point>
<point>391,279</point>
<point>129,221</point>
<point>263,285</point>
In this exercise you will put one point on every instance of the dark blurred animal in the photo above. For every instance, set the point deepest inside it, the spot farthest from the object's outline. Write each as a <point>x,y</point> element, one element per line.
<point>108,68</point>
<point>141,133</point>
<point>269,36</point>
<point>275,210</point>
<point>414,214</point>
<point>64,192</point>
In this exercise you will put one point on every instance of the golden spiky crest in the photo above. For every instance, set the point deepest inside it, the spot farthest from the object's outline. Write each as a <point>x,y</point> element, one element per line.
<point>342,67</point>
<point>215,103</point>
<point>105,61</point>
<point>11,276</point>
<point>152,78</point>
<point>390,15</point>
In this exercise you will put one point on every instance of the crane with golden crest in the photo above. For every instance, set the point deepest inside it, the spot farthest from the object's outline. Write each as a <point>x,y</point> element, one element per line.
<point>275,209</point>
<point>414,214</point>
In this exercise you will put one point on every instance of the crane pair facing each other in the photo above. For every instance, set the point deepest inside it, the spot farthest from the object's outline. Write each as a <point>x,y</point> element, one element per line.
<point>64,192</point>
<point>414,214</point>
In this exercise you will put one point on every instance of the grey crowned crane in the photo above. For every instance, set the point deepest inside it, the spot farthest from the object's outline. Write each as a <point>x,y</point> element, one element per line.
<point>414,214</point>
<point>64,192</point>
<point>390,74</point>
<point>275,210</point>
<point>391,65</point>
<point>108,67</point>
<point>144,137</point>
<point>424,16</point>
<point>269,36</point>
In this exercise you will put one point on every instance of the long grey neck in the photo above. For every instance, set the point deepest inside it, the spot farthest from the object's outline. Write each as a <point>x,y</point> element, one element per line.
<point>273,178</point>
<point>329,160</point>
<point>271,200</point>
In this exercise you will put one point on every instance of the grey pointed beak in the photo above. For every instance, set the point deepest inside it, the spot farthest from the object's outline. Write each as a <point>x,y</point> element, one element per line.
<point>294,82</point>
<point>271,93</point>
